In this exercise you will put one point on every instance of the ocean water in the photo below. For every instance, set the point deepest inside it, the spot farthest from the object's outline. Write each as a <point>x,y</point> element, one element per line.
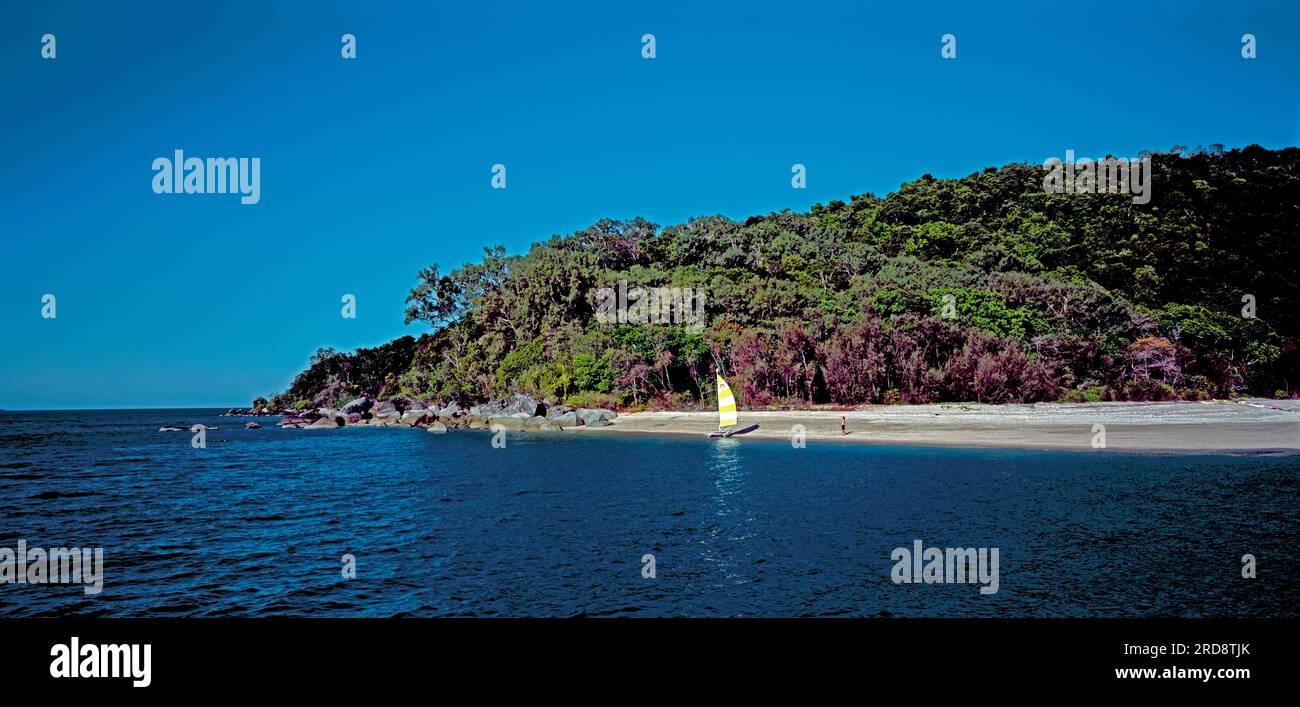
<point>256,524</point>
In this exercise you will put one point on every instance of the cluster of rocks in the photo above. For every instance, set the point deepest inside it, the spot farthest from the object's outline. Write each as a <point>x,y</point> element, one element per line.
<point>520,412</point>
<point>255,412</point>
<point>261,407</point>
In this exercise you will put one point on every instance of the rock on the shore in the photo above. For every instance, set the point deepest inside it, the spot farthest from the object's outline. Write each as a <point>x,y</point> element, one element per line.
<point>555,411</point>
<point>507,422</point>
<point>324,423</point>
<point>514,406</point>
<point>386,412</point>
<point>516,422</point>
<point>568,419</point>
<point>525,404</point>
<point>596,417</point>
<point>415,416</point>
<point>258,409</point>
<point>358,406</point>
<point>518,412</point>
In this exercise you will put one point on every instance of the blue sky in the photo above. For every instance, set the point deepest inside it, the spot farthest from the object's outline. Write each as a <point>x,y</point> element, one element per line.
<point>375,167</point>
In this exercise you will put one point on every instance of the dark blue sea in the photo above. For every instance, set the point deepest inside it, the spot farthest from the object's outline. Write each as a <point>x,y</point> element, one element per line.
<point>257,523</point>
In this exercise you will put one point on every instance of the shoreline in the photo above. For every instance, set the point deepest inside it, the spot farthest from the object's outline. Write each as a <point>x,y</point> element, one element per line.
<point>1248,426</point>
<point>1256,426</point>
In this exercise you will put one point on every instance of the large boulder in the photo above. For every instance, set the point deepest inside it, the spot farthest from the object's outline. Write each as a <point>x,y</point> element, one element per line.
<point>514,406</point>
<point>533,424</point>
<point>386,412</point>
<point>507,422</point>
<point>568,419</point>
<point>555,411</point>
<point>548,426</point>
<point>333,416</point>
<point>358,406</point>
<point>325,423</point>
<point>415,416</point>
<point>452,409</point>
<point>521,404</point>
<point>437,427</point>
<point>596,417</point>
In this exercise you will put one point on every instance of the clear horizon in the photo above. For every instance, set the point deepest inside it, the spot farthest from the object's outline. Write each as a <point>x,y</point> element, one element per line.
<point>375,167</point>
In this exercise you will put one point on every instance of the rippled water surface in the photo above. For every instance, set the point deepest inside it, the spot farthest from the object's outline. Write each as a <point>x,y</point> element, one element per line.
<point>256,524</point>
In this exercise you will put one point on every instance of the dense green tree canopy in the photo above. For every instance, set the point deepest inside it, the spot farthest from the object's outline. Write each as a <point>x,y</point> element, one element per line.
<point>982,288</point>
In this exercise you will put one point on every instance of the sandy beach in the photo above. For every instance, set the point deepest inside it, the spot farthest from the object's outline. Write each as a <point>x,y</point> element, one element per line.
<point>1245,426</point>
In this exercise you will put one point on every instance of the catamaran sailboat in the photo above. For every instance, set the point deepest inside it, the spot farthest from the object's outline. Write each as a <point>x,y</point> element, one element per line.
<point>726,411</point>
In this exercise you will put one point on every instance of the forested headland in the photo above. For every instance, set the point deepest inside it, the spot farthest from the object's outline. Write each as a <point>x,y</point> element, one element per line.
<point>985,288</point>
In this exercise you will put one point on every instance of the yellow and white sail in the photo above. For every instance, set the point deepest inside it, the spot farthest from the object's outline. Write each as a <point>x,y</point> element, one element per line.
<point>726,405</point>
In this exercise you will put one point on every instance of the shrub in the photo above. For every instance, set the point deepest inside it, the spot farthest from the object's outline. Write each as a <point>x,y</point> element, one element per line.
<point>589,399</point>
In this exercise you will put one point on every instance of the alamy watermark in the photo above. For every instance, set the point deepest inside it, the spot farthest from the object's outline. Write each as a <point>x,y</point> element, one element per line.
<point>103,660</point>
<point>215,175</point>
<point>1112,175</point>
<point>59,565</point>
<point>951,565</point>
<point>651,305</point>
